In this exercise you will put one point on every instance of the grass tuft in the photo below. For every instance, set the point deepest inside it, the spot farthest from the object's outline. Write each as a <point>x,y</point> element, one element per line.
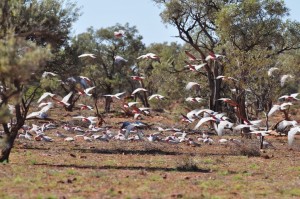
<point>186,163</point>
<point>249,148</point>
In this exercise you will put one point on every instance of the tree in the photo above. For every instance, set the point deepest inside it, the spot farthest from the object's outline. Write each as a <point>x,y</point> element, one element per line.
<point>167,76</point>
<point>107,72</point>
<point>255,34</point>
<point>195,22</point>
<point>26,57</point>
<point>250,34</point>
<point>24,50</point>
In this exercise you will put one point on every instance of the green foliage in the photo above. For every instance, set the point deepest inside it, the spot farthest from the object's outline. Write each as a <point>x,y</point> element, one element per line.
<point>107,75</point>
<point>52,83</point>
<point>165,78</point>
<point>251,34</point>
<point>21,54</point>
<point>27,30</point>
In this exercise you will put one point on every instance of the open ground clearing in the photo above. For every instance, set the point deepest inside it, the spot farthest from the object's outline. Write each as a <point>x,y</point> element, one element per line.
<point>140,169</point>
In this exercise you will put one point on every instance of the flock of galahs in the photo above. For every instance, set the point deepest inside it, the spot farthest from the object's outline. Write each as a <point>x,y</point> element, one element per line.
<point>197,118</point>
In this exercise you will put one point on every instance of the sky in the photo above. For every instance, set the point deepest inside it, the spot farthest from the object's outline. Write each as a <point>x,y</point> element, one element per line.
<point>143,14</point>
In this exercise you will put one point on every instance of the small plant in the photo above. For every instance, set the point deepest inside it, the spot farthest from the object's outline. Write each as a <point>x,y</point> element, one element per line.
<point>254,166</point>
<point>72,172</point>
<point>249,149</point>
<point>186,163</point>
<point>18,180</point>
<point>33,162</point>
<point>293,192</point>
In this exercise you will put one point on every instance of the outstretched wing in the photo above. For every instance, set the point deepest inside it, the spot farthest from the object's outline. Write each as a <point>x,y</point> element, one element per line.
<point>203,120</point>
<point>291,134</point>
<point>273,109</point>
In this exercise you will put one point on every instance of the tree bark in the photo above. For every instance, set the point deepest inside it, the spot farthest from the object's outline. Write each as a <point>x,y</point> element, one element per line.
<point>7,145</point>
<point>214,88</point>
<point>108,101</point>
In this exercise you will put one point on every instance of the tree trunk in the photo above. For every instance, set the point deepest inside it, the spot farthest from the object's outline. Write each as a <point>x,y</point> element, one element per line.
<point>261,142</point>
<point>7,145</point>
<point>214,87</point>
<point>108,101</point>
<point>145,99</point>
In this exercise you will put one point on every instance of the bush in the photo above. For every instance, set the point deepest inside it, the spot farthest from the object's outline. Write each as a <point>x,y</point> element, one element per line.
<point>248,148</point>
<point>186,163</point>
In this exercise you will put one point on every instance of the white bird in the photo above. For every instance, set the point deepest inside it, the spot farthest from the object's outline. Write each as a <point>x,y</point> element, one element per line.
<point>69,139</point>
<point>132,128</point>
<point>44,104</point>
<point>88,139</point>
<point>119,59</point>
<point>261,133</point>
<point>84,107</point>
<point>150,56</point>
<point>290,97</point>
<point>90,119</point>
<point>45,95</point>
<point>45,74</point>
<point>46,138</point>
<point>208,140</point>
<point>229,101</point>
<point>194,99</point>
<point>272,70</point>
<point>144,109</point>
<point>291,134</point>
<point>138,90</point>
<point>203,120</point>
<point>119,33</point>
<point>222,126</point>
<point>87,55</point>
<point>130,104</point>
<point>198,67</point>
<point>65,100</point>
<point>241,126</point>
<point>193,114</point>
<point>26,136</point>
<point>156,96</point>
<point>277,107</point>
<point>226,78</point>
<point>117,95</point>
<point>192,84</point>
<point>88,80</point>
<point>213,56</point>
<point>284,78</point>
<point>152,138</point>
<point>86,91</point>
<point>281,126</point>
<point>194,67</point>
<point>223,141</point>
<point>78,129</point>
<point>253,122</point>
<point>42,114</point>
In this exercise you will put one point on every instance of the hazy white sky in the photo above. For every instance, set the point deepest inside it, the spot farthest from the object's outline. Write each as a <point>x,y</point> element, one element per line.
<point>143,14</point>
